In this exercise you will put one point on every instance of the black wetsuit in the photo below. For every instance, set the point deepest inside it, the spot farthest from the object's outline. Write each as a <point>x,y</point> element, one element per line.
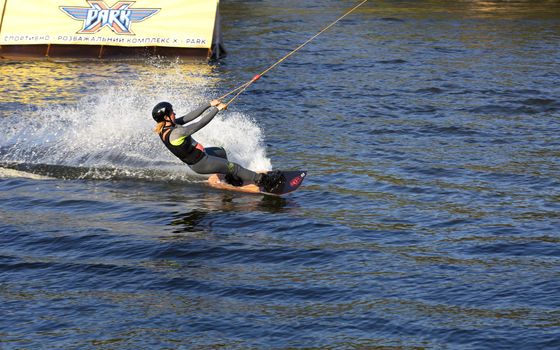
<point>178,140</point>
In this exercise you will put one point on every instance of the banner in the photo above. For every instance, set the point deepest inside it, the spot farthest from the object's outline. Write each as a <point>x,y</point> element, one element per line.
<point>169,23</point>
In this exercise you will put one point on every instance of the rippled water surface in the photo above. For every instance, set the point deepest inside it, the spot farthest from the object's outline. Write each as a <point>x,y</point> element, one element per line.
<point>429,218</point>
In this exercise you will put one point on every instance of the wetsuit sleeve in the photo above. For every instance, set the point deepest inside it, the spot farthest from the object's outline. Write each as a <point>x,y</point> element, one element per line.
<point>192,115</point>
<point>190,129</point>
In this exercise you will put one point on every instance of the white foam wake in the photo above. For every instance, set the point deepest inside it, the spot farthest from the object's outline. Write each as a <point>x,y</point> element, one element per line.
<point>12,173</point>
<point>113,129</point>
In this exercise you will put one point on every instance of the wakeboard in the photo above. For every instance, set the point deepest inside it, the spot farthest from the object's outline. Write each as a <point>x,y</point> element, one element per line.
<point>291,180</point>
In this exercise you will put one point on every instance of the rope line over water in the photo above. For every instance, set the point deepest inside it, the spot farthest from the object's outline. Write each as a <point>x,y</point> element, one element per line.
<point>241,88</point>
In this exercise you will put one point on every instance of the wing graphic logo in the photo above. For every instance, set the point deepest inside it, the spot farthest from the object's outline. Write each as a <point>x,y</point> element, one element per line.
<point>98,15</point>
<point>296,180</point>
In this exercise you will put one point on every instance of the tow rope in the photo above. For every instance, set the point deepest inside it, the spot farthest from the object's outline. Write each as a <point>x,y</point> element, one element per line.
<point>241,88</point>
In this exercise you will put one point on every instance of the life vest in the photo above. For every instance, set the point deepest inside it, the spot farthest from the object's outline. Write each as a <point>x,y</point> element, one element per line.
<point>185,148</point>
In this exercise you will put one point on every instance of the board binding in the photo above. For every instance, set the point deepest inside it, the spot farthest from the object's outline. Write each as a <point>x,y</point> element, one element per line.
<point>293,180</point>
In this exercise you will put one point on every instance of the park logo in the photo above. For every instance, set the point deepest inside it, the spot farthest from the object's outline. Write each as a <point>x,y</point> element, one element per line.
<point>119,17</point>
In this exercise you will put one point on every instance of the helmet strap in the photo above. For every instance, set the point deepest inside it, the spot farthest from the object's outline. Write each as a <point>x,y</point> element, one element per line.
<point>168,120</point>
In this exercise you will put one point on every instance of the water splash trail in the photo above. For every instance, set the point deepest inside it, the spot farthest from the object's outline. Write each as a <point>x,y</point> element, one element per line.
<point>108,134</point>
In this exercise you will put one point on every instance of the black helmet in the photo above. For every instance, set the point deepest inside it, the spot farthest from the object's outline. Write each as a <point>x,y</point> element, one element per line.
<point>161,110</point>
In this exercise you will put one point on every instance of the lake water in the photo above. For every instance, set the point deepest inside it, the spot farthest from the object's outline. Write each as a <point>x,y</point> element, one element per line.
<point>429,218</point>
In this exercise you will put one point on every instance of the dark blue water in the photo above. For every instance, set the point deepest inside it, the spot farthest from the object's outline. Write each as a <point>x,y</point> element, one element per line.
<point>429,218</point>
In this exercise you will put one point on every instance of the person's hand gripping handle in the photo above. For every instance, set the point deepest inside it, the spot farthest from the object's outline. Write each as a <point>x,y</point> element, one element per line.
<point>216,103</point>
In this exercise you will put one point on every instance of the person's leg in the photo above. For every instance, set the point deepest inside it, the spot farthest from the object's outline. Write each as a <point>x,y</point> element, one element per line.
<point>216,152</point>
<point>221,152</point>
<point>212,164</point>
